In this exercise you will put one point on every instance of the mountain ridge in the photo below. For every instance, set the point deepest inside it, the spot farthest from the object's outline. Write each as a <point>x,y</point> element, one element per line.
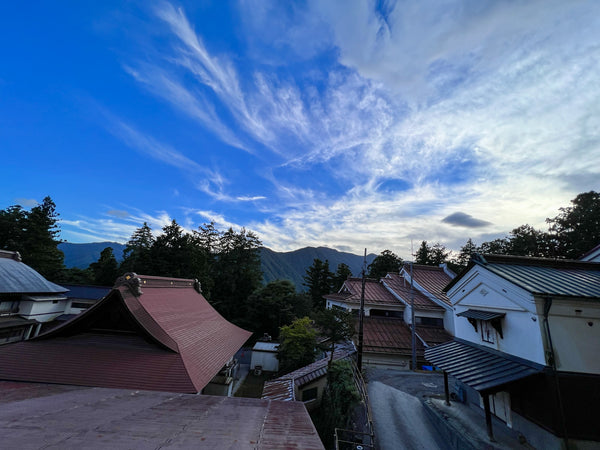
<point>289,265</point>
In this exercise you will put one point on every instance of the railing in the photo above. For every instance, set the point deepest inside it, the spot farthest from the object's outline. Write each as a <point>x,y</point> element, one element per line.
<point>354,439</point>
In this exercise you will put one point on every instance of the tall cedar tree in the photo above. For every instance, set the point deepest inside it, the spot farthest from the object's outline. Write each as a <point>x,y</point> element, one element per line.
<point>106,270</point>
<point>431,255</point>
<point>34,234</point>
<point>137,254</point>
<point>384,263</point>
<point>341,274</point>
<point>319,281</point>
<point>237,274</point>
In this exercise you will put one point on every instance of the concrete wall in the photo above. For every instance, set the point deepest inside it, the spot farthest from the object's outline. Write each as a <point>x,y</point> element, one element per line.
<point>268,361</point>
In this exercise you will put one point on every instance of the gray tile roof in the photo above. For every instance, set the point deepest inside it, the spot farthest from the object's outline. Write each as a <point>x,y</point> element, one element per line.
<point>544,276</point>
<point>18,278</point>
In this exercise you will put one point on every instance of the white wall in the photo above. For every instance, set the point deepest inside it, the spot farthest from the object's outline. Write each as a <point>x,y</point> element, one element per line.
<point>521,327</point>
<point>42,311</point>
<point>575,331</point>
<point>268,361</point>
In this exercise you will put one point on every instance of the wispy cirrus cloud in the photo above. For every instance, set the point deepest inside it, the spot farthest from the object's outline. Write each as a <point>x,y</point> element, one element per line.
<point>419,111</point>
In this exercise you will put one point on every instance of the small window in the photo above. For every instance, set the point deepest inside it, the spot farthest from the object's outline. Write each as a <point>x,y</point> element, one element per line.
<point>488,334</point>
<point>309,394</point>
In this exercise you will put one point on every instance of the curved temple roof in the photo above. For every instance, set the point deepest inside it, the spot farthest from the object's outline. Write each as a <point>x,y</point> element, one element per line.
<point>148,333</point>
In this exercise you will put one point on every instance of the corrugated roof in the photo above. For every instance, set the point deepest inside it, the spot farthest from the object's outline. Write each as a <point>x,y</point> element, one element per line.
<point>166,337</point>
<point>281,388</point>
<point>431,278</point>
<point>127,419</point>
<point>401,287</point>
<point>18,278</point>
<point>375,293</point>
<point>481,315</point>
<point>483,369</point>
<point>388,335</point>
<point>266,346</point>
<point>433,335</point>
<point>543,276</point>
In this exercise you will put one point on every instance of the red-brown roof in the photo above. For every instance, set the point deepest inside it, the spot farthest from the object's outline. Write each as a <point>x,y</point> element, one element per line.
<point>375,293</point>
<point>401,287</point>
<point>40,415</point>
<point>433,335</point>
<point>431,278</point>
<point>160,334</point>
<point>387,335</point>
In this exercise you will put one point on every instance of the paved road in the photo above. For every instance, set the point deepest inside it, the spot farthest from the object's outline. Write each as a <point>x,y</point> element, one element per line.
<point>399,416</point>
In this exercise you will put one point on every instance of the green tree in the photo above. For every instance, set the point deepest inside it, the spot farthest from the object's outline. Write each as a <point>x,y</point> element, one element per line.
<point>338,401</point>
<point>439,254</point>
<point>466,251</point>
<point>12,228</point>
<point>40,240</point>
<point>137,254</point>
<point>106,270</point>
<point>236,274</point>
<point>423,255</point>
<point>527,241</point>
<point>335,324</point>
<point>498,246</point>
<point>275,305</point>
<point>319,281</point>
<point>341,274</point>
<point>384,263</point>
<point>577,227</point>
<point>297,348</point>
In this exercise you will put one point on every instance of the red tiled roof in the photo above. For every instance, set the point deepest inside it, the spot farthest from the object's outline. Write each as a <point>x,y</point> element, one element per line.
<point>431,278</point>
<point>375,293</point>
<point>386,335</point>
<point>401,287</point>
<point>167,338</point>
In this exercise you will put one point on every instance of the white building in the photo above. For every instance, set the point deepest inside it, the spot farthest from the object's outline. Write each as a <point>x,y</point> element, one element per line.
<point>526,348</point>
<point>27,299</point>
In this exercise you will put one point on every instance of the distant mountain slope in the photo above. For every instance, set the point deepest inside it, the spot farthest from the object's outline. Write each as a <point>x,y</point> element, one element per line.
<point>82,255</point>
<point>292,265</point>
<point>275,265</point>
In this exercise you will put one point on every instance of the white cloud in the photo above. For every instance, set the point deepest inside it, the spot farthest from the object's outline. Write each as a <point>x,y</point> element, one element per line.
<point>491,109</point>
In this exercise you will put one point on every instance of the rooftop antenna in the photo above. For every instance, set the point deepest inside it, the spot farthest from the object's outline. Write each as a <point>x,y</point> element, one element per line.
<point>361,314</point>
<point>413,339</point>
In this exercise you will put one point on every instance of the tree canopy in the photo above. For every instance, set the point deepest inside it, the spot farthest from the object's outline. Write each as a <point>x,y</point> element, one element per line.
<point>384,263</point>
<point>298,342</point>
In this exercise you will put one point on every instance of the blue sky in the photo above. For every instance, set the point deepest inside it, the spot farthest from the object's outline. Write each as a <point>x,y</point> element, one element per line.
<point>348,124</point>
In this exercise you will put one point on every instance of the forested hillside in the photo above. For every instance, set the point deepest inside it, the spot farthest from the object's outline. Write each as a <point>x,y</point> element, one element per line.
<point>275,265</point>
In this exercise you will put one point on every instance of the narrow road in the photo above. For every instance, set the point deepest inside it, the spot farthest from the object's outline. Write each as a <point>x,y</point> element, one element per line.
<point>400,420</point>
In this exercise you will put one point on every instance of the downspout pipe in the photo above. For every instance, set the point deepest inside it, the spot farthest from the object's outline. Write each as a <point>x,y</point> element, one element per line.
<point>552,361</point>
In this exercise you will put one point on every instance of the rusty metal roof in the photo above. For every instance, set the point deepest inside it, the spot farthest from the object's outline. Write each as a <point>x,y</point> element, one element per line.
<point>481,368</point>
<point>431,278</point>
<point>375,293</point>
<point>401,287</point>
<point>97,418</point>
<point>388,335</point>
<point>18,278</point>
<point>164,337</point>
<point>543,276</point>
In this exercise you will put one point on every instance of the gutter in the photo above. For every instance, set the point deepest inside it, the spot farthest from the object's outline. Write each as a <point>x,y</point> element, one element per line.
<point>552,361</point>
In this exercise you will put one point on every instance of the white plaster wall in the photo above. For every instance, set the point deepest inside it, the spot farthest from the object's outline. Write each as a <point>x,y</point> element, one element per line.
<point>267,360</point>
<point>42,311</point>
<point>521,326</point>
<point>575,331</point>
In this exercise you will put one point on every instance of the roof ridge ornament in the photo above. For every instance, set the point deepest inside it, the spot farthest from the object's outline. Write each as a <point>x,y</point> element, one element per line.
<point>132,281</point>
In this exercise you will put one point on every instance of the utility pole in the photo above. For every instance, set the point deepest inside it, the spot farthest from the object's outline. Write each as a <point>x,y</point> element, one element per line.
<point>361,314</point>
<point>413,338</point>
